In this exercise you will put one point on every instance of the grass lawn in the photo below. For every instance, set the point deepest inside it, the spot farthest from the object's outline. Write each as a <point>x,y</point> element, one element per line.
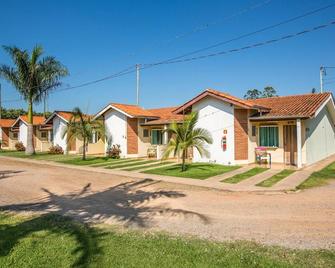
<point>62,158</point>
<point>149,166</point>
<point>55,241</point>
<point>275,178</point>
<point>135,163</point>
<point>319,178</point>
<point>38,156</point>
<point>199,171</point>
<point>243,176</point>
<point>115,162</point>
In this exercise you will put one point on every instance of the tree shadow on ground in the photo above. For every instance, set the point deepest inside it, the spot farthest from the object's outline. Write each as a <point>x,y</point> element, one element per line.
<point>86,238</point>
<point>8,173</point>
<point>127,203</point>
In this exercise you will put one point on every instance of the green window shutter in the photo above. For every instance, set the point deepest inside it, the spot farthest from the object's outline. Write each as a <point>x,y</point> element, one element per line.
<point>154,137</point>
<point>268,136</point>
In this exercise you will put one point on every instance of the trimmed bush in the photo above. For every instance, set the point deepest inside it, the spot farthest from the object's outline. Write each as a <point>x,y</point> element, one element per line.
<point>19,146</point>
<point>56,149</point>
<point>114,151</point>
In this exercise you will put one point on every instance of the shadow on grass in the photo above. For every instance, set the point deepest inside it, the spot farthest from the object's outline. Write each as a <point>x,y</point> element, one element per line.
<point>86,238</point>
<point>127,203</point>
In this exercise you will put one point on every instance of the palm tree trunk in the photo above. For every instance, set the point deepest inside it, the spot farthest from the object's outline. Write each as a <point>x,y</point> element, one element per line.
<point>183,161</point>
<point>30,129</point>
<point>84,149</point>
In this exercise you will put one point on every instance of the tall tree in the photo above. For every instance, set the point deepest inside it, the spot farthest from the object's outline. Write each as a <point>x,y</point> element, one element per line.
<point>82,127</point>
<point>269,92</point>
<point>253,94</point>
<point>185,136</point>
<point>33,77</point>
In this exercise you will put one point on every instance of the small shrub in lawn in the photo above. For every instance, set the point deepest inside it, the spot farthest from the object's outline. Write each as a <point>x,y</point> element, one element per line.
<point>19,146</point>
<point>114,151</point>
<point>56,149</point>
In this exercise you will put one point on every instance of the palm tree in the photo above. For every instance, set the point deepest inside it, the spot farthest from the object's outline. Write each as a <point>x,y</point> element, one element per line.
<point>185,136</point>
<point>33,77</point>
<point>82,127</point>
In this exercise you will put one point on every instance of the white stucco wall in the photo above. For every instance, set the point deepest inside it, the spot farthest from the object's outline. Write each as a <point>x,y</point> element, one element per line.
<point>320,137</point>
<point>116,130</point>
<point>58,127</point>
<point>23,129</point>
<point>215,116</point>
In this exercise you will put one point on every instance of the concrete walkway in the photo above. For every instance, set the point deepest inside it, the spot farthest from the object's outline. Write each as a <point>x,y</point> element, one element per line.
<point>286,184</point>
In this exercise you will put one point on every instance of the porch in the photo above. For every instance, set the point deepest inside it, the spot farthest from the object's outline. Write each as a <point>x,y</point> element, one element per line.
<point>280,142</point>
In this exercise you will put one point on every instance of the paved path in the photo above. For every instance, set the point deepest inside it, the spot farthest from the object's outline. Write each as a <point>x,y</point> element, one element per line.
<point>305,219</point>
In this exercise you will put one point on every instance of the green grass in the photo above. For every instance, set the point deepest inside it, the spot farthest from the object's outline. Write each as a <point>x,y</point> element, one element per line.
<point>136,163</point>
<point>55,241</point>
<point>245,175</point>
<point>39,156</point>
<point>276,178</point>
<point>116,162</point>
<point>199,171</point>
<point>149,166</point>
<point>89,161</point>
<point>65,159</point>
<point>319,178</point>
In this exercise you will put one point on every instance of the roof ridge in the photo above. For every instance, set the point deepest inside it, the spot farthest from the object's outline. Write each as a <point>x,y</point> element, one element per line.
<point>293,95</point>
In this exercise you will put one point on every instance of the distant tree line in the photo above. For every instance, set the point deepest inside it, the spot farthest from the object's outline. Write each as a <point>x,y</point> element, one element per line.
<point>15,113</point>
<point>257,94</point>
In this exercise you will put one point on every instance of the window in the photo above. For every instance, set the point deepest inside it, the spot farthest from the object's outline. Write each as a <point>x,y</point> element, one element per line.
<point>156,137</point>
<point>15,135</point>
<point>44,135</point>
<point>145,133</point>
<point>268,136</point>
<point>253,131</point>
<point>51,136</point>
<point>95,138</point>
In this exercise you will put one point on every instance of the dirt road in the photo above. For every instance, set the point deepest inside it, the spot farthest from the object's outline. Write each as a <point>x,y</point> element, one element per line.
<point>304,220</point>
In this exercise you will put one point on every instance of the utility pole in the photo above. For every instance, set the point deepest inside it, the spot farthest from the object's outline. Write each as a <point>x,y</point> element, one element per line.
<point>322,72</point>
<point>138,66</point>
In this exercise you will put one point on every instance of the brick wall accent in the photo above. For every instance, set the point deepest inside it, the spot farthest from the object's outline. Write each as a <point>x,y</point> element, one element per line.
<point>241,134</point>
<point>5,136</point>
<point>132,136</point>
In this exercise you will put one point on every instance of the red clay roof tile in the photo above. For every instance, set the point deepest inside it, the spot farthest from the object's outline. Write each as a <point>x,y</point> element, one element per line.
<point>292,106</point>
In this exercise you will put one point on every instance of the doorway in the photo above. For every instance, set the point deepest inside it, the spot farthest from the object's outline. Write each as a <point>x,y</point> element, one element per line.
<point>290,144</point>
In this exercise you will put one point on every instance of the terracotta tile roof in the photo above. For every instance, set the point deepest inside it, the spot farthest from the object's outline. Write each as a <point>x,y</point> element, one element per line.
<point>299,106</point>
<point>37,119</point>
<point>133,110</point>
<point>165,115</point>
<point>65,114</point>
<point>220,95</point>
<point>7,122</point>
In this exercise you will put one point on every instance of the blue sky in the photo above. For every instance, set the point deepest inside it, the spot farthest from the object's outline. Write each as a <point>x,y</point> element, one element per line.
<point>98,38</point>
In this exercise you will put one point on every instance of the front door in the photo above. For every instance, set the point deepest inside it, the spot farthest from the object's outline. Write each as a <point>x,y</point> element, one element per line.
<point>290,145</point>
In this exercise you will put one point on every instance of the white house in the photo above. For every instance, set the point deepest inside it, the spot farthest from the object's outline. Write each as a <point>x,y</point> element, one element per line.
<point>42,135</point>
<point>296,130</point>
<point>59,121</point>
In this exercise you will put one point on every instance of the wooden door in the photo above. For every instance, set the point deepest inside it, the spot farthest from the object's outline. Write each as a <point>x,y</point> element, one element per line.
<point>72,145</point>
<point>290,144</point>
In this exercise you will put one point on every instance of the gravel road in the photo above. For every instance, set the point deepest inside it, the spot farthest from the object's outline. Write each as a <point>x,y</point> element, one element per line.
<point>298,220</point>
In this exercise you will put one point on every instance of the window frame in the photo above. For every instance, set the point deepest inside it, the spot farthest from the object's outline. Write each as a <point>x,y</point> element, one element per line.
<point>276,142</point>
<point>146,130</point>
<point>161,136</point>
<point>46,135</point>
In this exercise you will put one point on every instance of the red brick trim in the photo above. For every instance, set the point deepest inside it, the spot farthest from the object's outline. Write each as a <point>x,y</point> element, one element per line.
<point>241,134</point>
<point>132,136</point>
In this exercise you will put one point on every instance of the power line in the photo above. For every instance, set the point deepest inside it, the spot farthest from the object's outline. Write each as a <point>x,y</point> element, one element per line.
<point>208,25</point>
<point>267,42</point>
<point>132,69</point>
<point>251,33</point>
